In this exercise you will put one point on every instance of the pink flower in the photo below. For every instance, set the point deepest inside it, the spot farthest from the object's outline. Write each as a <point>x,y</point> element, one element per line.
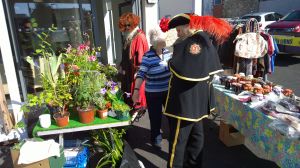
<point>92,58</point>
<point>83,47</point>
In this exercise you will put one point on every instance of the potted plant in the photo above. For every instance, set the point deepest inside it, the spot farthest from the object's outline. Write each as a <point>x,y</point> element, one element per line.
<point>86,93</point>
<point>101,105</point>
<point>56,90</point>
<point>121,109</point>
<point>85,78</point>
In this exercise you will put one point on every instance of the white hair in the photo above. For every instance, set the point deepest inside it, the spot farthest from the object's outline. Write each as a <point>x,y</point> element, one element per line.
<point>156,35</point>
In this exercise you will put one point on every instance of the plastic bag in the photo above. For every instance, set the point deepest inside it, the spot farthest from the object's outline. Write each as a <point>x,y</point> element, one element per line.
<point>129,159</point>
<point>285,129</point>
<point>289,104</point>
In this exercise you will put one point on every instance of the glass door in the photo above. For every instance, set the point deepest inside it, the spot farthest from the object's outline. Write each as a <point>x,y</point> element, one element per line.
<point>72,18</point>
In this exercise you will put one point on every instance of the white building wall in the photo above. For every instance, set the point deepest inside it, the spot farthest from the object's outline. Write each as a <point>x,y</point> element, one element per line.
<point>150,14</point>
<point>280,6</point>
<point>110,45</point>
<point>174,7</point>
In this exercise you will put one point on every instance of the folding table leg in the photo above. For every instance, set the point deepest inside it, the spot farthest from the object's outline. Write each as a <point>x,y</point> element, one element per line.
<point>61,140</point>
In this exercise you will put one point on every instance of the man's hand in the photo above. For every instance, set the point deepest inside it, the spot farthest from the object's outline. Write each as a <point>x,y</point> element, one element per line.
<point>135,96</point>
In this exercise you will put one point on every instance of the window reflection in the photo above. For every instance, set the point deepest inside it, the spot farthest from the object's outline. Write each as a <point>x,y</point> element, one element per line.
<point>72,18</point>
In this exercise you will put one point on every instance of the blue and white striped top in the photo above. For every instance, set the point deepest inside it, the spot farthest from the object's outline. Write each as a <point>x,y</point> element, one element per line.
<point>155,71</point>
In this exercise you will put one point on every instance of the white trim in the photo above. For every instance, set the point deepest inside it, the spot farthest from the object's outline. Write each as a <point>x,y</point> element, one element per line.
<point>108,33</point>
<point>84,128</point>
<point>9,67</point>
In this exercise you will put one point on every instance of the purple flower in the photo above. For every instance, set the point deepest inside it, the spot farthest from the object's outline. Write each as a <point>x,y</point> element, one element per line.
<point>103,91</point>
<point>127,94</point>
<point>113,91</point>
<point>113,84</point>
<point>92,58</point>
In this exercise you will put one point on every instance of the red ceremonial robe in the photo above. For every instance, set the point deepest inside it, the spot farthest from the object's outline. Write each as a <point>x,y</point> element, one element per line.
<point>132,54</point>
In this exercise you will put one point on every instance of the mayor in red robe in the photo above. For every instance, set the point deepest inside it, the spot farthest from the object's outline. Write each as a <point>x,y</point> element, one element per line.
<point>134,46</point>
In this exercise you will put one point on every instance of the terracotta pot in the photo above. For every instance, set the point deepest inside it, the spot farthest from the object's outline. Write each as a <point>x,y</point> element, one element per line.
<point>102,113</point>
<point>86,115</point>
<point>61,121</point>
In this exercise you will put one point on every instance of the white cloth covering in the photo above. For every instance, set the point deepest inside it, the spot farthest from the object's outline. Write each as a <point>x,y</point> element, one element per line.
<point>33,151</point>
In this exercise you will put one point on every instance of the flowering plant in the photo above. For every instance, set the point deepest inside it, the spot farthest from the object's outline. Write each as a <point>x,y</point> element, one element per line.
<point>80,60</point>
<point>115,96</point>
<point>86,78</point>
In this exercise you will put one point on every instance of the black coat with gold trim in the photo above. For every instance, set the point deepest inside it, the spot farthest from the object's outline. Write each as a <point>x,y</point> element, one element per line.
<point>195,60</point>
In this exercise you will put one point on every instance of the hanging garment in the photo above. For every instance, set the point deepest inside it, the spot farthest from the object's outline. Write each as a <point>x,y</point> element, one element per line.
<point>245,66</point>
<point>276,51</point>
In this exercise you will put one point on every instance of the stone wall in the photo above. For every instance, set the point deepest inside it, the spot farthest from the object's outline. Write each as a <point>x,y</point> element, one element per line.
<point>237,8</point>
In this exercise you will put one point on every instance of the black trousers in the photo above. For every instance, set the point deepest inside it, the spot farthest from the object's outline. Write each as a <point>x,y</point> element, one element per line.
<point>155,102</point>
<point>186,141</point>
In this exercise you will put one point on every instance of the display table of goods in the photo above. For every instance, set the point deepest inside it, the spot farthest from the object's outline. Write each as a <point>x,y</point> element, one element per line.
<point>265,113</point>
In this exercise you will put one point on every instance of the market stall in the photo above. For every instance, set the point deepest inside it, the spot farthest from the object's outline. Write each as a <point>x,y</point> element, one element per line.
<point>273,131</point>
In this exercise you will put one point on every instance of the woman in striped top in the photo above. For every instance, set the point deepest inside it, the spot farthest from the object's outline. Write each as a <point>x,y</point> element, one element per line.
<point>154,70</point>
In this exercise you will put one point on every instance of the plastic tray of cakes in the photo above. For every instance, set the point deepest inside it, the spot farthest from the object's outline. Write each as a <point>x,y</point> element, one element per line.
<point>272,99</point>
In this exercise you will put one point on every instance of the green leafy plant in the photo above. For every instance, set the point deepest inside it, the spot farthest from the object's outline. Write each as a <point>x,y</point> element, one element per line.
<point>87,89</point>
<point>120,106</point>
<point>111,141</point>
<point>100,102</point>
<point>56,89</point>
<point>110,71</point>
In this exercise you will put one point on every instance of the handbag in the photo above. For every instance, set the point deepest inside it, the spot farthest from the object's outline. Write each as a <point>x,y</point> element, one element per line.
<point>251,44</point>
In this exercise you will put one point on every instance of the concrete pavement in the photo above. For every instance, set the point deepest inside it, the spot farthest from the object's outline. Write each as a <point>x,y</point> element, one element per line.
<point>216,154</point>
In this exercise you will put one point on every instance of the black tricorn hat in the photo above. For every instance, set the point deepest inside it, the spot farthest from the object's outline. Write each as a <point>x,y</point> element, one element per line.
<point>180,19</point>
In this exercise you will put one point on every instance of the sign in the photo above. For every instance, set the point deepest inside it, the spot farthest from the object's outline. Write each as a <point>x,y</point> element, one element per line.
<point>287,40</point>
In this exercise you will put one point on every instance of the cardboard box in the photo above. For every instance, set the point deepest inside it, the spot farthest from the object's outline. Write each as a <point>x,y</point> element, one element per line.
<point>40,164</point>
<point>230,138</point>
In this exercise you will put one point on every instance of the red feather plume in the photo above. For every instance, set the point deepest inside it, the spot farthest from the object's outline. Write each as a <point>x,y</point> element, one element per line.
<point>164,24</point>
<point>218,28</point>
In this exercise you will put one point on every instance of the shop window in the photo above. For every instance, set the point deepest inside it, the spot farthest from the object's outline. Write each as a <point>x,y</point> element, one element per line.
<point>73,20</point>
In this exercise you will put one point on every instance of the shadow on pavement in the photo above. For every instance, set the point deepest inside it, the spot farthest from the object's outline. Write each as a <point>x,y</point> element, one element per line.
<point>284,60</point>
<point>216,154</point>
<point>139,139</point>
